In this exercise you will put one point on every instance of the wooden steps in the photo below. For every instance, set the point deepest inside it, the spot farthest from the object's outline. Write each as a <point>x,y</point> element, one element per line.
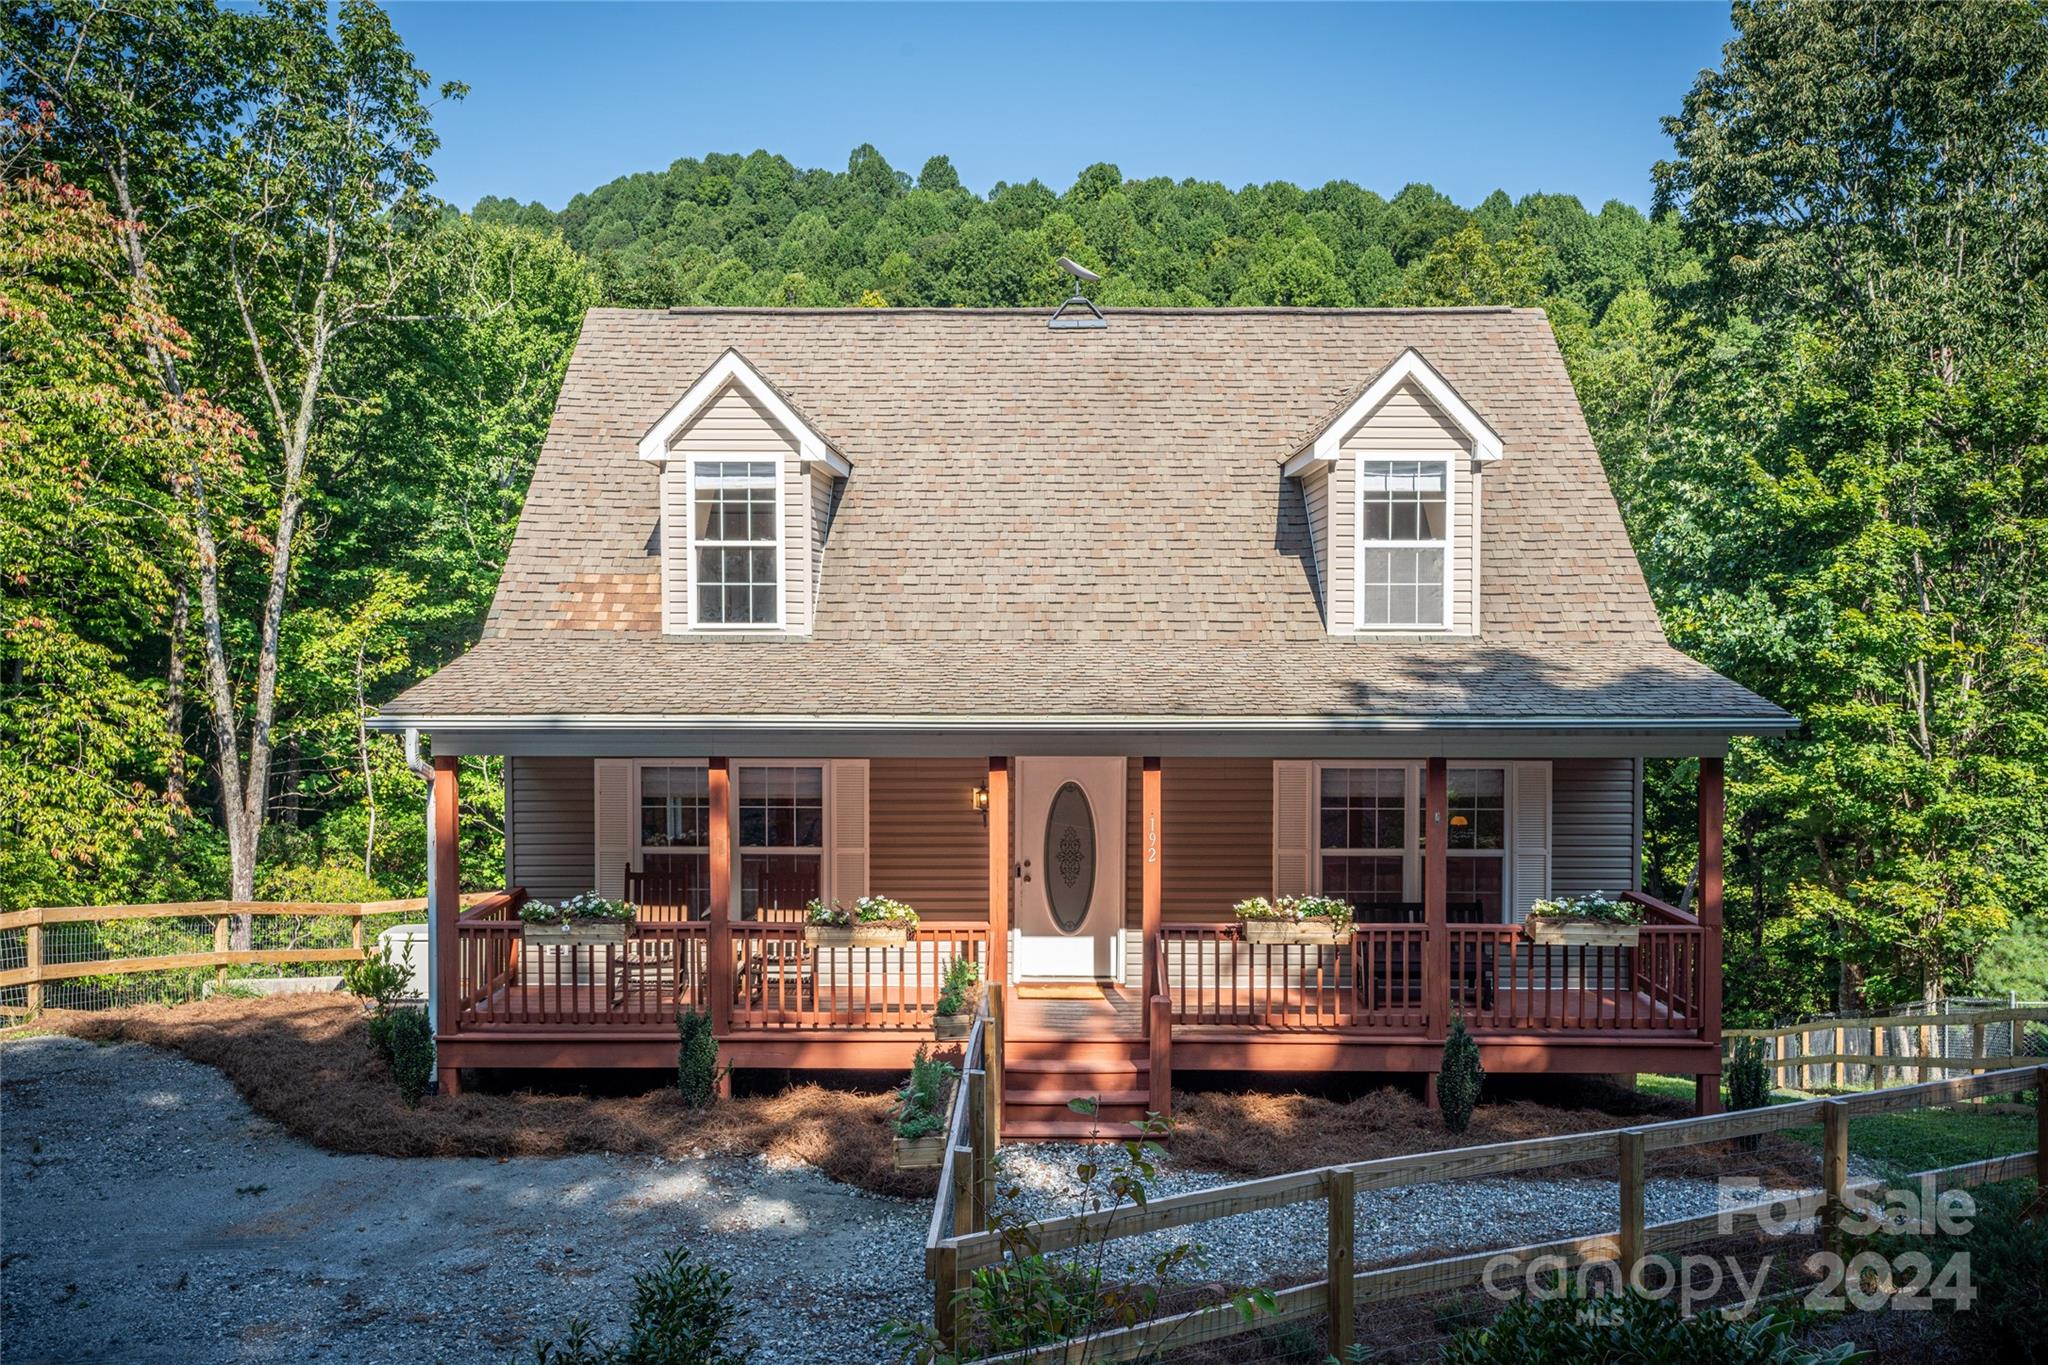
<point>1042,1075</point>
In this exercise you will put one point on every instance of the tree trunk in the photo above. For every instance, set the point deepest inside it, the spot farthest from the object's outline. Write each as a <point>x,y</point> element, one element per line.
<point>174,696</point>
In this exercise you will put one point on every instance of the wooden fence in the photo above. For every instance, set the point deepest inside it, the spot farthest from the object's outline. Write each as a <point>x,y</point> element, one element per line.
<point>1785,1049</point>
<point>951,1260</point>
<point>967,1178</point>
<point>40,964</point>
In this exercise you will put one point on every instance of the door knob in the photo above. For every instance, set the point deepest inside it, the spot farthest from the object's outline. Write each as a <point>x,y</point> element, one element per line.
<point>1024,870</point>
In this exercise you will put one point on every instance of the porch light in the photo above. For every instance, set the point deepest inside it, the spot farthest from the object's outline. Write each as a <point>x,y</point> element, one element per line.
<point>978,799</point>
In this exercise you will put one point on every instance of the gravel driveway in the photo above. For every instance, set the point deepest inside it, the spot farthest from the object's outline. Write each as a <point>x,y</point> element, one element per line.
<point>147,1214</point>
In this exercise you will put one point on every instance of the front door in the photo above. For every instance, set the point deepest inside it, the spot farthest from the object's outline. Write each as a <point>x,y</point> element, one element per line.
<point>1069,868</point>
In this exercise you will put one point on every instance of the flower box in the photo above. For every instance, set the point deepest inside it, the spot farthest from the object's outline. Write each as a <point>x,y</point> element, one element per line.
<point>1294,931</point>
<point>1557,930</point>
<point>921,1154</point>
<point>954,1028</point>
<point>856,935</point>
<point>568,933</point>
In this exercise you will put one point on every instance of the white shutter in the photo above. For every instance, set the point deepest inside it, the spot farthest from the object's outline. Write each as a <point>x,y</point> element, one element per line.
<point>612,785</point>
<point>1529,839</point>
<point>1294,842</point>
<point>846,838</point>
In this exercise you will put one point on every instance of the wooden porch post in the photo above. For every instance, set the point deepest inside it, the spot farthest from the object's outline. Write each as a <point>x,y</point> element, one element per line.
<point>1149,911</point>
<point>1713,814</point>
<point>446,908</point>
<point>1436,956</point>
<point>998,873</point>
<point>718,929</point>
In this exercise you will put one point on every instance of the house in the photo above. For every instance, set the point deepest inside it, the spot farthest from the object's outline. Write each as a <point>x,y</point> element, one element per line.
<point>1071,638</point>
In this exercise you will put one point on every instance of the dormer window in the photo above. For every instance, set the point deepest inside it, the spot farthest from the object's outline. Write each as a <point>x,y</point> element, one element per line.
<point>1404,544</point>
<point>733,543</point>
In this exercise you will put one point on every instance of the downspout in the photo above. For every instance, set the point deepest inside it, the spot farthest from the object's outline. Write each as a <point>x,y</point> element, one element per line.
<point>425,770</point>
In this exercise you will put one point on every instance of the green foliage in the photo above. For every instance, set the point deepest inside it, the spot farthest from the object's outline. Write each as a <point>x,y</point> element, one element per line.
<point>587,908</point>
<point>2007,1246</point>
<point>1749,1083</point>
<point>865,910</point>
<point>376,980</point>
<point>683,1314</point>
<point>411,1041</point>
<point>1460,1078</point>
<point>924,1096</point>
<point>1295,909</point>
<point>1596,907</point>
<point>963,974</point>
<point>1632,1329</point>
<point>696,1059</point>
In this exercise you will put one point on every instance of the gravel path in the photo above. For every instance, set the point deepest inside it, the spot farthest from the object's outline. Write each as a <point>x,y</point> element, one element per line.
<point>147,1214</point>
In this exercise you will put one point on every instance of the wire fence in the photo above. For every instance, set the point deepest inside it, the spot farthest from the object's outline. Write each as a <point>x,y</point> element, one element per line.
<point>1855,1052</point>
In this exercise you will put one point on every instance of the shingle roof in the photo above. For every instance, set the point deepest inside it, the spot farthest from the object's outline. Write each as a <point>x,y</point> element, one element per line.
<point>1080,523</point>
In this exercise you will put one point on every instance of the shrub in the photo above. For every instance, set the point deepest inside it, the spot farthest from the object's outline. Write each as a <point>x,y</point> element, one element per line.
<point>683,1314</point>
<point>962,974</point>
<point>697,1059</point>
<point>376,980</point>
<point>1749,1083</point>
<point>2008,1269</point>
<point>924,1096</point>
<point>412,1054</point>
<point>1458,1082</point>
<point>1630,1327</point>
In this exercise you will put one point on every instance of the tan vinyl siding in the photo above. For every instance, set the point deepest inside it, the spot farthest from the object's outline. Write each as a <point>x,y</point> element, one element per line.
<point>1409,423</point>
<point>1215,837</point>
<point>1593,825</point>
<point>1315,501</point>
<point>733,425</point>
<point>550,826</point>
<point>926,844</point>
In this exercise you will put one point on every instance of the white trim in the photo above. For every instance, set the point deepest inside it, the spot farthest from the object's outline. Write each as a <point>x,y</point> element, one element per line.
<point>1360,544</point>
<point>1410,367</point>
<point>1411,819</point>
<point>780,546</point>
<point>584,721</point>
<point>732,368</point>
<point>640,767</point>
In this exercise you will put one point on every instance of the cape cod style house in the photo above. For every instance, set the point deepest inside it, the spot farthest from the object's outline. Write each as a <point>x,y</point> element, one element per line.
<point>1071,638</point>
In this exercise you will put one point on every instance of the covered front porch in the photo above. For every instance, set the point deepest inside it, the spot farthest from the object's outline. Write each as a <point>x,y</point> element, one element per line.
<point>1163,980</point>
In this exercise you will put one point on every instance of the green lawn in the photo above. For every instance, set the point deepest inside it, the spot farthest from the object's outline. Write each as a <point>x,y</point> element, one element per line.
<point>1904,1143</point>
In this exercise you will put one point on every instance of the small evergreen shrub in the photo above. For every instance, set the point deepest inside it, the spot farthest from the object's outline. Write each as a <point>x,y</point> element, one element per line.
<point>962,975</point>
<point>1631,1327</point>
<point>683,1314</point>
<point>923,1095</point>
<point>697,1059</point>
<point>412,1054</point>
<point>1458,1082</point>
<point>1749,1083</point>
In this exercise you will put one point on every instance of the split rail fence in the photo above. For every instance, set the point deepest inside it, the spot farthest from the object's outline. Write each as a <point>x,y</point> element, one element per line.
<point>1841,1053</point>
<point>952,1258</point>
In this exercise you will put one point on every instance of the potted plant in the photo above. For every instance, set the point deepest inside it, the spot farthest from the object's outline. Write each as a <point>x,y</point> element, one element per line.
<point>920,1121</point>
<point>1591,921</point>
<point>588,918</point>
<point>958,995</point>
<point>1295,919</point>
<point>870,922</point>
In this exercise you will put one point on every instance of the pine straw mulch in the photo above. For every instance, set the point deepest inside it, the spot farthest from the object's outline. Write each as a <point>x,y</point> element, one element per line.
<point>1256,1134</point>
<point>305,1063</point>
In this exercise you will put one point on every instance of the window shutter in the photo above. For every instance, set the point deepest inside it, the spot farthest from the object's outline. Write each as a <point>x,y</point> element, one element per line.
<point>1529,849</point>
<point>613,788</point>
<point>847,839</point>
<point>1294,841</point>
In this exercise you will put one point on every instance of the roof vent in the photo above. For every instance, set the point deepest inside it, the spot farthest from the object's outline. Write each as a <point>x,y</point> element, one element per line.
<point>1085,314</point>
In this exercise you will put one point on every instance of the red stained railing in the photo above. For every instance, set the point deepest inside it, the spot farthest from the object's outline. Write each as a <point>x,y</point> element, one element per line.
<point>642,983</point>
<point>1374,982</point>
<point>781,982</point>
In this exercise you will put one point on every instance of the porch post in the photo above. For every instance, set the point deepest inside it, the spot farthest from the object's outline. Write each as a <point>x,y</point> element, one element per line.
<point>1436,958</point>
<point>446,906</point>
<point>998,873</point>
<point>1149,908</point>
<point>718,929</point>
<point>1713,814</point>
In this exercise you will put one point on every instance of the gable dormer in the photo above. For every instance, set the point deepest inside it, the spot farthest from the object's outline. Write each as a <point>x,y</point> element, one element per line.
<point>747,491</point>
<point>1391,491</point>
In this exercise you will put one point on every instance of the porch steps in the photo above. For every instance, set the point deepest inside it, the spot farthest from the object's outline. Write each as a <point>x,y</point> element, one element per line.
<point>1040,1077</point>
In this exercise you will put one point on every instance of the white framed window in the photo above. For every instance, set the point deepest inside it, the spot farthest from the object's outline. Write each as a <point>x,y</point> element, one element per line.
<point>735,549</point>
<point>1404,543</point>
<point>675,837</point>
<point>779,830</point>
<point>1366,820</point>
<point>1476,854</point>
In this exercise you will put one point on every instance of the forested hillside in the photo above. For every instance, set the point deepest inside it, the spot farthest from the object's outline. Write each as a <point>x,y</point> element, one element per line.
<point>268,410</point>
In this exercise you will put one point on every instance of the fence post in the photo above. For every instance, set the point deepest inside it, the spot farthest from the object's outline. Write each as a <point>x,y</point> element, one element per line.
<point>963,1191</point>
<point>1877,1070</point>
<point>1630,1154</point>
<point>220,945</point>
<point>1977,1047</point>
<point>1838,1074</point>
<point>942,1264</point>
<point>1342,1188</point>
<point>355,937</point>
<point>1834,1172</point>
<point>981,1170</point>
<point>34,963</point>
<point>992,1056</point>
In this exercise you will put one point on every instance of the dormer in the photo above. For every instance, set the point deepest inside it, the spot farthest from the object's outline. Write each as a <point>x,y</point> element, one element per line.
<point>1391,490</point>
<point>747,492</point>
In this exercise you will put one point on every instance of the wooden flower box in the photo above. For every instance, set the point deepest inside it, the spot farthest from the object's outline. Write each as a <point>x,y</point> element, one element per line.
<point>856,935</point>
<point>572,932</point>
<point>1294,931</point>
<point>921,1154</point>
<point>1553,930</point>
<point>954,1028</point>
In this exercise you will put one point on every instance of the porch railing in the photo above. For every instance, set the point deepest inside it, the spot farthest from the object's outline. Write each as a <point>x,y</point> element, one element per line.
<point>781,982</point>
<point>1499,980</point>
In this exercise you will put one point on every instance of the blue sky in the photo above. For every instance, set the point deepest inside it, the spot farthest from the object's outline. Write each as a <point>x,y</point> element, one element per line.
<point>1523,97</point>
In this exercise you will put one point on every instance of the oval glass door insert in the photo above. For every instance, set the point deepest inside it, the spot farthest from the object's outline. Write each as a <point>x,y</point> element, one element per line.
<point>1069,857</point>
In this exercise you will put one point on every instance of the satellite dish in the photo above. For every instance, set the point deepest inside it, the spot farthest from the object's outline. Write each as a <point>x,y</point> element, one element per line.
<point>1085,314</point>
